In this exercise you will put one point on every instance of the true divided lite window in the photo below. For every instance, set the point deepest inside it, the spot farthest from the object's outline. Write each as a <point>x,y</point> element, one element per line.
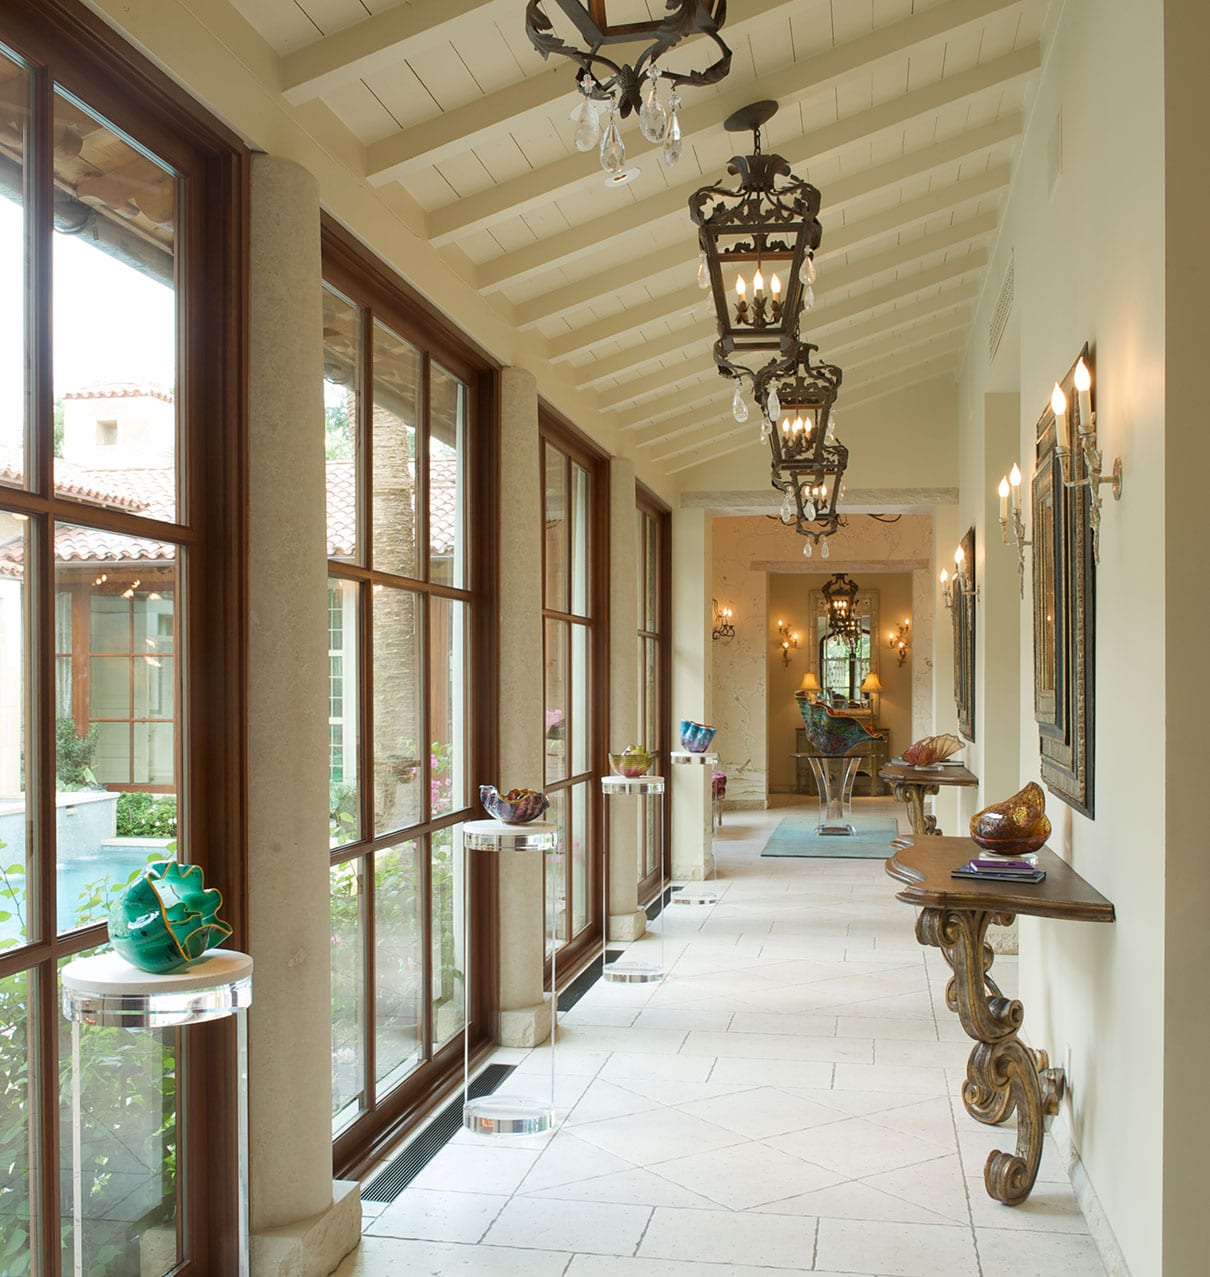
<point>121,604</point>
<point>410,718</point>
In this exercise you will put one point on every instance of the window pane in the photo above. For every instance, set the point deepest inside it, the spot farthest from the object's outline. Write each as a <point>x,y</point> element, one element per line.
<point>448,994</point>
<point>447,709</point>
<point>17,1037</point>
<point>18,847</point>
<point>581,857</point>
<point>397,1002</point>
<point>556,868</point>
<point>556,700</point>
<point>342,377</point>
<point>128,1146</point>
<point>14,92</point>
<point>580,568</point>
<point>121,727</point>
<point>651,574</point>
<point>398,369</point>
<point>115,323</point>
<point>556,529</point>
<point>397,708</point>
<point>447,479</point>
<point>344,789</point>
<point>348,982</point>
<point>581,714</point>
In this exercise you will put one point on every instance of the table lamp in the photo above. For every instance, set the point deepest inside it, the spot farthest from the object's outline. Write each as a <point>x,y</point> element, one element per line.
<point>809,686</point>
<point>870,685</point>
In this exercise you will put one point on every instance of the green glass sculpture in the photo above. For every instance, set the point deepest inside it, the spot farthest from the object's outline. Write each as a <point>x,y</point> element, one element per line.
<point>167,918</point>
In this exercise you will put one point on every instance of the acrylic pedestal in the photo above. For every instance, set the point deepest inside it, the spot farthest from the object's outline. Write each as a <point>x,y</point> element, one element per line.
<point>106,991</point>
<point>626,971</point>
<point>834,777</point>
<point>507,1114</point>
<point>694,895</point>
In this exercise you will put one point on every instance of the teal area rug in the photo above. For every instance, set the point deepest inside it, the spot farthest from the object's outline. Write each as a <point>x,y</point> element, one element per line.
<point>796,836</point>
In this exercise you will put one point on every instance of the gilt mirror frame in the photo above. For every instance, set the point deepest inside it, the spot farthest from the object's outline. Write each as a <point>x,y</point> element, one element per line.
<point>1064,611</point>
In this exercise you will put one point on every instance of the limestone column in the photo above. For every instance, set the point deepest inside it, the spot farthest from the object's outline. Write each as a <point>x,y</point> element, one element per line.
<point>626,920</point>
<point>302,1223</point>
<point>692,572</point>
<point>524,1012</point>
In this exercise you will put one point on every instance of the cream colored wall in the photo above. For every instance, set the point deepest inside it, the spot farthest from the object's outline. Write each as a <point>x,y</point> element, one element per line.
<point>902,441</point>
<point>745,552</point>
<point>789,598</point>
<point>1089,264</point>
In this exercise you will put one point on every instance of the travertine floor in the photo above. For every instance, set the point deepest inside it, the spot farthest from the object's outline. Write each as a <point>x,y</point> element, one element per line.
<point>787,1099</point>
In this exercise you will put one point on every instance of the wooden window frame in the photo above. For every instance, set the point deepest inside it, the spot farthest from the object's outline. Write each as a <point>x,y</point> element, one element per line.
<point>63,43</point>
<point>366,280</point>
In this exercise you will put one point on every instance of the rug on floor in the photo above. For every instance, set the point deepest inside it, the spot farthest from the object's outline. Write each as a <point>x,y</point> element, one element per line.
<point>796,836</point>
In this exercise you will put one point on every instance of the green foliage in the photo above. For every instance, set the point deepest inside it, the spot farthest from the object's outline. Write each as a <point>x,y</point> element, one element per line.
<point>342,814</point>
<point>338,435</point>
<point>143,815</point>
<point>73,755</point>
<point>60,427</point>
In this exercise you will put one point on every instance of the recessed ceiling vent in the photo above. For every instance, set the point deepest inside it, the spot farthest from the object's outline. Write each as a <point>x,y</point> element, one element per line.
<point>1004,308</point>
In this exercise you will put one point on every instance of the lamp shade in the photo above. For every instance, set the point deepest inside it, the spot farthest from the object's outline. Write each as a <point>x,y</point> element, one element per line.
<point>871,683</point>
<point>809,683</point>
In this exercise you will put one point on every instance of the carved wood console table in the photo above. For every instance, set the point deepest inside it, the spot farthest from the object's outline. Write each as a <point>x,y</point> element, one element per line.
<point>910,785</point>
<point>1002,1074</point>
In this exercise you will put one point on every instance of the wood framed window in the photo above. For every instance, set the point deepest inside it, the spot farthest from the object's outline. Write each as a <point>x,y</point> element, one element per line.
<point>654,612</point>
<point>408,416</point>
<point>574,568</point>
<point>122,610</point>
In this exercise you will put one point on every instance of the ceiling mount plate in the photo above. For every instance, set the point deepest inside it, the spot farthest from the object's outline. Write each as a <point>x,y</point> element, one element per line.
<point>750,117</point>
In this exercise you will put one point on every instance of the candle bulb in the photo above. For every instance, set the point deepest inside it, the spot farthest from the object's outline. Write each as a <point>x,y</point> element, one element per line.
<point>758,284</point>
<point>1014,479</point>
<point>740,287</point>
<point>1083,381</point>
<point>1058,405</point>
<point>775,286</point>
<point>945,576</point>
<point>1003,499</point>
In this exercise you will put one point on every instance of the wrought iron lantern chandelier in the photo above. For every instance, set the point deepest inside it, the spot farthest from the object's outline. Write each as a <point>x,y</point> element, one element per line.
<point>842,611</point>
<point>810,497</point>
<point>796,397</point>
<point>757,247</point>
<point>621,88</point>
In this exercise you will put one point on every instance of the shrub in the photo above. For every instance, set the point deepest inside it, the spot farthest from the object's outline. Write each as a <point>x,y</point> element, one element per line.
<point>74,755</point>
<point>146,815</point>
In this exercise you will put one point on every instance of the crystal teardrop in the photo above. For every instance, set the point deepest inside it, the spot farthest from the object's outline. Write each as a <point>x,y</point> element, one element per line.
<point>774,402</point>
<point>765,430</point>
<point>808,298</point>
<point>653,119</point>
<point>810,512</point>
<point>703,271</point>
<point>807,274</point>
<point>808,550</point>
<point>672,139</point>
<point>824,552</point>
<point>613,149</point>
<point>787,509</point>
<point>588,126</point>
<point>739,409</point>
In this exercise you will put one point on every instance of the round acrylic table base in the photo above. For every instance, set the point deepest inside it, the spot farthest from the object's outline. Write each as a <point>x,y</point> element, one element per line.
<point>507,1115</point>
<point>624,972</point>
<point>834,777</point>
<point>694,896</point>
<point>629,971</point>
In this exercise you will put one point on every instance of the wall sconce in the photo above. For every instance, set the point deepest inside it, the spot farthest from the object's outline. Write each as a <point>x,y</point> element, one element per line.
<point>1010,495</point>
<point>809,686</point>
<point>787,640</point>
<point>723,629</point>
<point>959,585</point>
<point>900,643</point>
<point>1086,433</point>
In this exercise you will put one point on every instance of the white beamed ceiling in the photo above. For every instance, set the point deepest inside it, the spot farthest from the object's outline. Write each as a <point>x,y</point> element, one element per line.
<point>905,113</point>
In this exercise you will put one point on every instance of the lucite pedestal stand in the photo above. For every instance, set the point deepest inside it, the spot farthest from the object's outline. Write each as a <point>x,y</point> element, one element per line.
<point>106,991</point>
<point>507,1114</point>
<point>690,894</point>
<point>629,971</point>
<point>834,777</point>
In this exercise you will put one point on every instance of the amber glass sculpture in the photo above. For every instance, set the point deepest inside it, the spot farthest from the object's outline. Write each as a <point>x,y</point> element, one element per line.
<point>1015,826</point>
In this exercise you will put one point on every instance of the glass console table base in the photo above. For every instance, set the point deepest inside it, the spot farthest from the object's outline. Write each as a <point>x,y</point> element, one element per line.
<point>834,776</point>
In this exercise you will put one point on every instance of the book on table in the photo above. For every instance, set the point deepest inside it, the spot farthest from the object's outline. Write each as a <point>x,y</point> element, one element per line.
<point>1001,870</point>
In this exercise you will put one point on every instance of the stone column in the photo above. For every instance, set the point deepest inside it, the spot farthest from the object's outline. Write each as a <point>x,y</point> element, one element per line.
<point>626,920</point>
<point>692,837</point>
<point>945,712</point>
<point>524,1013</point>
<point>302,1223</point>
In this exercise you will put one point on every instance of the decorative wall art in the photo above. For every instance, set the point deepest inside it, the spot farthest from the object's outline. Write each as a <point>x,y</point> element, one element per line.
<point>1064,610</point>
<point>963,611</point>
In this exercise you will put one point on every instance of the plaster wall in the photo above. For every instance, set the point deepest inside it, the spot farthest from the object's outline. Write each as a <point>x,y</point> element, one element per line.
<point>1094,995</point>
<point>745,552</point>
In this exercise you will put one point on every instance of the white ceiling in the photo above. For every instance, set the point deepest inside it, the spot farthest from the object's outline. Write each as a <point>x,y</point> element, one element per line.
<point>905,113</point>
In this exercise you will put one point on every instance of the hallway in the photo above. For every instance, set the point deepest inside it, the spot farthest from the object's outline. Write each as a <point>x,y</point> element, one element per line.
<point>787,1099</point>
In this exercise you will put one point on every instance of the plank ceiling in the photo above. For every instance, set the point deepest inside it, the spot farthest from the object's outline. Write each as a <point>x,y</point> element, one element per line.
<point>905,113</point>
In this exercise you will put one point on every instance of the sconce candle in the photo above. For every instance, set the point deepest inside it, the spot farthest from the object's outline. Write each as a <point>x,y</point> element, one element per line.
<point>1058,405</point>
<point>1083,384</point>
<point>1003,499</point>
<point>1014,481</point>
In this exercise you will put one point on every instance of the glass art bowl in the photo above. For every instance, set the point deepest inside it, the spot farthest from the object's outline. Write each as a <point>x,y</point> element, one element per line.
<point>1016,826</point>
<point>167,918</point>
<point>517,807</point>
<point>696,737</point>
<point>632,762</point>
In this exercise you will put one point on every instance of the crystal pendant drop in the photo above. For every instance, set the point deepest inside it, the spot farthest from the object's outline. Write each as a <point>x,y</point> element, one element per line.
<point>739,409</point>
<point>824,552</point>
<point>808,298</point>
<point>765,430</point>
<point>703,271</point>
<point>672,138</point>
<point>808,550</point>
<point>613,149</point>
<point>807,274</point>
<point>774,403</point>
<point>787,509</point>
<point>810,512</point>
<point>831,428</point>
<point>653,119</point>
<point>588,125</point>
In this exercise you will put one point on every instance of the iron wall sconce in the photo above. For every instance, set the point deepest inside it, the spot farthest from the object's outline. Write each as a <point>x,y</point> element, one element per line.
<point>1086,448</point>
<point>959,585</point>
<point>788,641</point>
<point>1010,504</point>
<point>900,643</point>
<point>723,628</point>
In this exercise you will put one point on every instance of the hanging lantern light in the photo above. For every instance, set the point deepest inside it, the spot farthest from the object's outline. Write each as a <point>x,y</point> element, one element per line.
<point>797,396</point>
<point>757,242</point>
<point>811,494</point>
<point>631,88</point>
<point>842,611</point>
